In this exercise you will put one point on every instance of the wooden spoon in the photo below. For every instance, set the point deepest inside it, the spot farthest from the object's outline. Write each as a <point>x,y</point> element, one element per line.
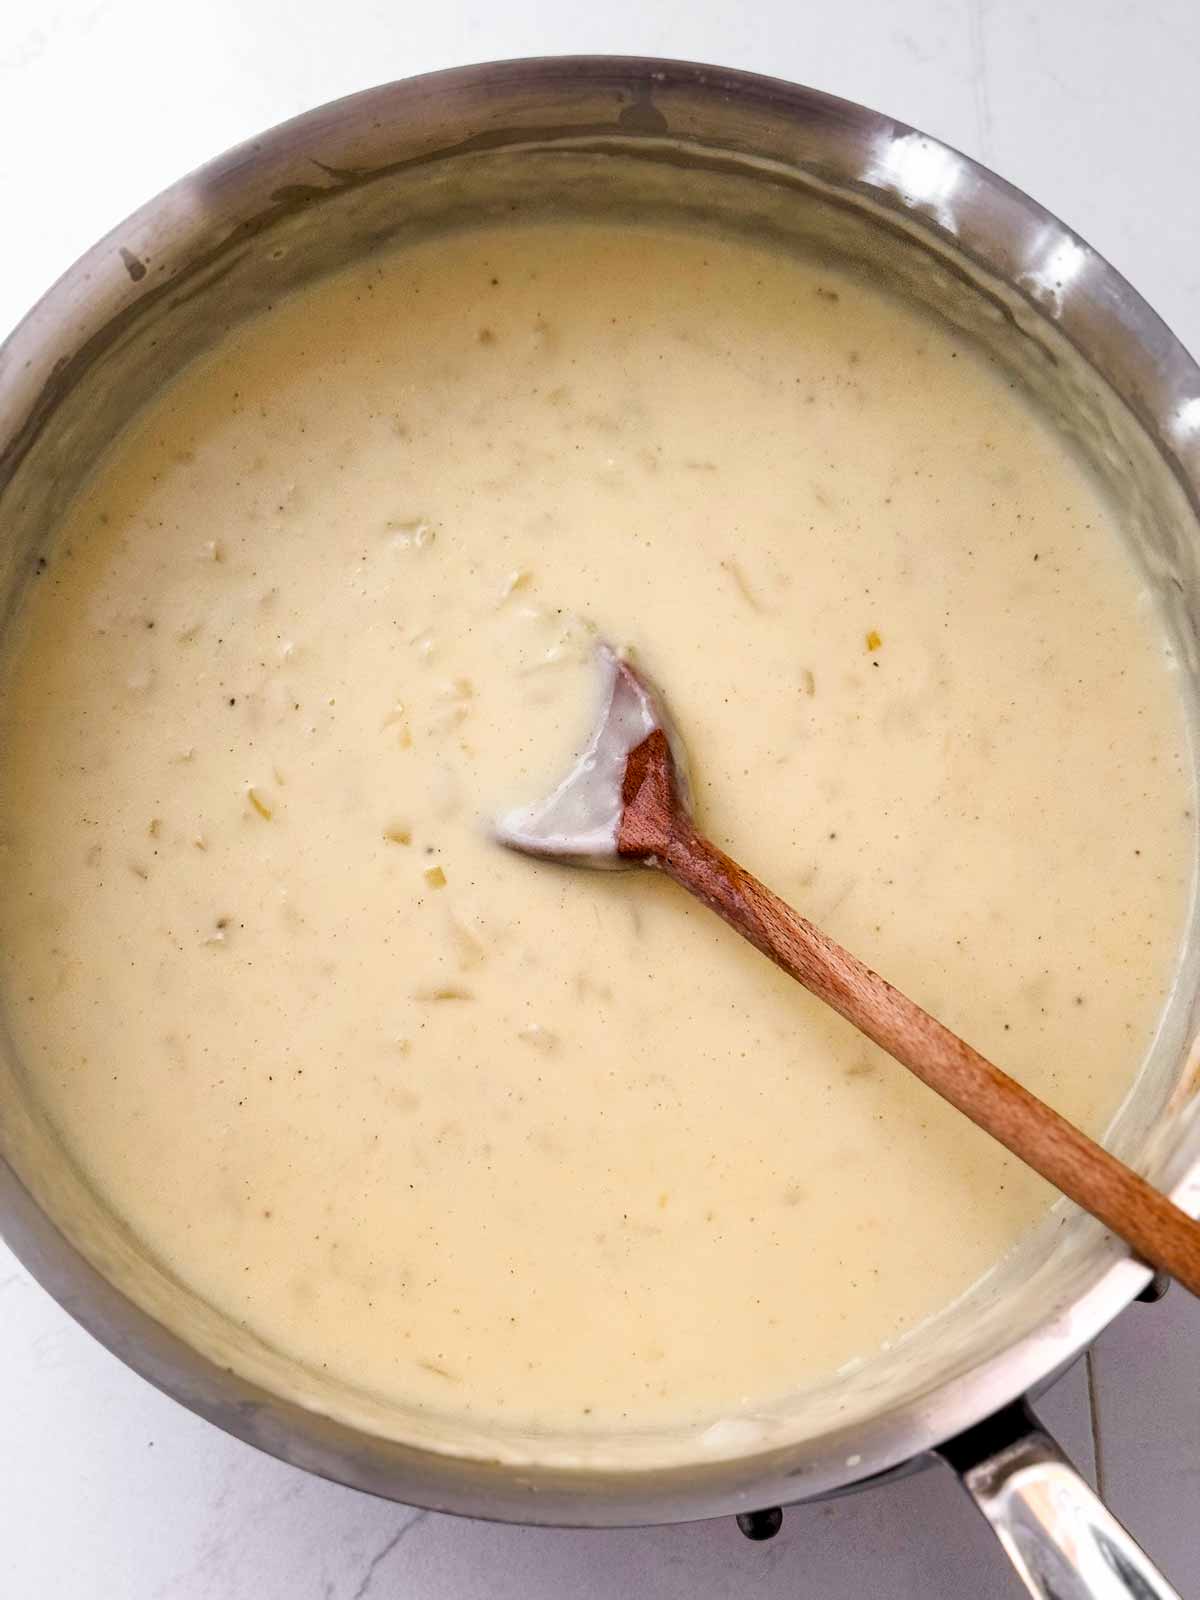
<point>627,802</point>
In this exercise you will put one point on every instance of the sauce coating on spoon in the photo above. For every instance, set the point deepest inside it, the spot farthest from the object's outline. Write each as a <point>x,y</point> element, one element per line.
<point>579,820</point>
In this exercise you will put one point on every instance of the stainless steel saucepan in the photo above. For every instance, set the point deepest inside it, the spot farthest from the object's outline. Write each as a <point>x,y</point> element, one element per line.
<point>633,138</point>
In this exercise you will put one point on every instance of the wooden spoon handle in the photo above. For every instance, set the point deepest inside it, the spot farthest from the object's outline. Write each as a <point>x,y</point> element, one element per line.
<point>1160,1233</point>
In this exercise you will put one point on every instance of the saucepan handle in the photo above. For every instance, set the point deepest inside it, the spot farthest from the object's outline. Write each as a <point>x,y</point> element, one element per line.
<point>1057,1533</point>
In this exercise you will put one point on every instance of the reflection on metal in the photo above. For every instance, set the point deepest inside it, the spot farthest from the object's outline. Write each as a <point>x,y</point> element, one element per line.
<point>1185,424</point>
<point>925,175</point>
<point>1055,262</point>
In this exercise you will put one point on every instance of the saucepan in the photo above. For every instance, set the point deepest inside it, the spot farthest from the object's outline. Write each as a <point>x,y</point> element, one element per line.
<point>708,147</point>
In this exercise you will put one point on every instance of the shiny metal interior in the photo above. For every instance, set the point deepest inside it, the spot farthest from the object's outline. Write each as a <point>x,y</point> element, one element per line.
<point>641,140</point>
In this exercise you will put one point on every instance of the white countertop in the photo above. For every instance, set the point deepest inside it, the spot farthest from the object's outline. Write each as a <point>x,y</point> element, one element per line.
<point>109,1491</point>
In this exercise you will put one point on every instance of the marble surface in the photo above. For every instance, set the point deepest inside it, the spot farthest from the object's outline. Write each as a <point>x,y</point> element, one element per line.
<point>109,1491</point>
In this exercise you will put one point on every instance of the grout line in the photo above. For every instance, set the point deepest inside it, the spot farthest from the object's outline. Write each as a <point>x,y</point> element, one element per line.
<point>978,71</point>
<point>1094,1415</point>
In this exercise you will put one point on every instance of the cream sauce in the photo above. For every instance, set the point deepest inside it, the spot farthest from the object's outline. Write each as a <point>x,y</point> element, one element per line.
<point>521,1141</point>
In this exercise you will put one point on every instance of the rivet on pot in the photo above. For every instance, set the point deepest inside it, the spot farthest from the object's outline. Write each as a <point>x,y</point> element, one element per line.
<point>760,1525</point>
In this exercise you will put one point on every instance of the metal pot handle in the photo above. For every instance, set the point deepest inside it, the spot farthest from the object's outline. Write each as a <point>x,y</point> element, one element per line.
<point>1059,1536</point>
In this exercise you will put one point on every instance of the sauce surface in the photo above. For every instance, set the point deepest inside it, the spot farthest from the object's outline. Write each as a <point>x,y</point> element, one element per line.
<point>525,1142</point>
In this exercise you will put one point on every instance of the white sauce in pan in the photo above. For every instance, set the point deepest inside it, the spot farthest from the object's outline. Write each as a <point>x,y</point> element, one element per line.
<point>520,1141</point>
